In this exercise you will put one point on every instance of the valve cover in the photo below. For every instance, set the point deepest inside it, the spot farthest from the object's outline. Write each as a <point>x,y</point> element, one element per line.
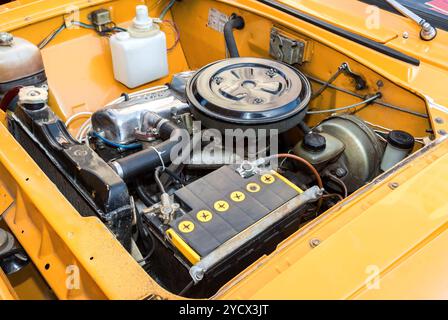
<point>249,93</point>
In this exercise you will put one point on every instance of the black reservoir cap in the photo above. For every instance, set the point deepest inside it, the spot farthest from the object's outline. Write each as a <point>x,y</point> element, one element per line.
<point>401,139</point>
<point>314,142</point>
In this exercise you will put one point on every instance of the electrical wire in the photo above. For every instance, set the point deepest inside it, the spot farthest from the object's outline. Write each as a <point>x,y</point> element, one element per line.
<point>340,183</point>
<point>303,161</point>
<point>386,131</point>
<point>333,195</point>
<point>175,176</point>
<point>57,31</point>
<point>144,233</point>
<point>82,131</point>
<point>173,25</point>
<point>117,145</point>
<point>51,36</point>
<point>151,250</point>
<point>186,289</point>
<point>141,192</point>
<point>166,9</point>
<point>380,103</point>
<point>76,116</point>
<point>309,166</point>
<point>84,134</point>
<point>366,101</point>
<point>83,25</point>
<point>120,29</point>
<point>157,179</point>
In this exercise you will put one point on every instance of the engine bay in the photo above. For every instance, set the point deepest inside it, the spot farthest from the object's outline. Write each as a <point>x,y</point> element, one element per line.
<point>200,177</point>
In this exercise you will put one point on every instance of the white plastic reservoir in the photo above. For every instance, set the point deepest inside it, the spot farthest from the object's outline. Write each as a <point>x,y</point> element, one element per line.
<point>399,146</point>
<point>139,56</point>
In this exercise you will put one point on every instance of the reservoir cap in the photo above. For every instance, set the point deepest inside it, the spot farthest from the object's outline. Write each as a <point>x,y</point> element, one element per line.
<point>401,139</point>
<point>314,142</point>
<point>142,20</point>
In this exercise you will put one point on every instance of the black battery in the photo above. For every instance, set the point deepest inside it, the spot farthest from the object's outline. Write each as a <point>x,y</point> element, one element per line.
<point>221,205</point>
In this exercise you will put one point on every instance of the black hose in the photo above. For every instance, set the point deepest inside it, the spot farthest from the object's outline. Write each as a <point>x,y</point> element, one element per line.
<point>147,160</point>
<point>141,192</point>
<point>235,22</point>
<point>304,128</point>
<point>175,176</point>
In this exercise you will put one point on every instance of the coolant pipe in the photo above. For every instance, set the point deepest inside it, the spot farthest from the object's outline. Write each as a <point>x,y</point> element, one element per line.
<point>149,159</point>
<point>235,22</point>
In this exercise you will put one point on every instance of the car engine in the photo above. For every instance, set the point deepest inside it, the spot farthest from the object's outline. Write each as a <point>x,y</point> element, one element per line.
<point>201,177</point>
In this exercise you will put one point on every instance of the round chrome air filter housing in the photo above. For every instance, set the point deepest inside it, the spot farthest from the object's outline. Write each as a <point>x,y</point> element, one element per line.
<point>249,93</point>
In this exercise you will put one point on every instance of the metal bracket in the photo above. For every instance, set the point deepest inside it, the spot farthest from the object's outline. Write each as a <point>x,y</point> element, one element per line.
<point>359,81</point>
<point>285,49</point>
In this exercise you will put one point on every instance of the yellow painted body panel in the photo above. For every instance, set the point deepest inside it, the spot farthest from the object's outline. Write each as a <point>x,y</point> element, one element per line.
<point>6,290</point>
<point>397,235</point>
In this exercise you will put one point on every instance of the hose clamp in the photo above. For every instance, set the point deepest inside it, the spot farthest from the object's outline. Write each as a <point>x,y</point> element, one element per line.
<point>160,157</point>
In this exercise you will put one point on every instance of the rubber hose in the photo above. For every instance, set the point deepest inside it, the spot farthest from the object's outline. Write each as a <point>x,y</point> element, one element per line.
<point>148,160</point>
<point>235,22</point>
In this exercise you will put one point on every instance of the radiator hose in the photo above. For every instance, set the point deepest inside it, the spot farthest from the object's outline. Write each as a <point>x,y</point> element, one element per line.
<point>235,22</point>
<point>149,159</point>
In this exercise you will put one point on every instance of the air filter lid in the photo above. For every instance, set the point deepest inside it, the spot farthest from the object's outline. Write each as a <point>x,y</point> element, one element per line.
<point>249,92</point>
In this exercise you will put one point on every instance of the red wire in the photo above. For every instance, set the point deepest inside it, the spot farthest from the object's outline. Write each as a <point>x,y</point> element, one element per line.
<point>306,163</point>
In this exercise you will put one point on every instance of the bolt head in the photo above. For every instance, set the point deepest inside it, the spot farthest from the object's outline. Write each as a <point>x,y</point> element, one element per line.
<point>380,84</point>
<point>6,39</point>
<point>394,185</point>
<point>340,172</point>
<point>314,242</point>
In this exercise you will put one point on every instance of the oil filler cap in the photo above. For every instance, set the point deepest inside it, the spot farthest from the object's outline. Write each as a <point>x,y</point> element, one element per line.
<point>249,92</point>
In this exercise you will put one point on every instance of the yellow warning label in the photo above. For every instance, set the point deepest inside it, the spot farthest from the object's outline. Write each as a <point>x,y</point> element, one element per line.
<point>267,179</point>
<point>186,226</point>
<point>237,196</point>
<point>204,216</point>
<point>221,206</point>
<point>253,187</point>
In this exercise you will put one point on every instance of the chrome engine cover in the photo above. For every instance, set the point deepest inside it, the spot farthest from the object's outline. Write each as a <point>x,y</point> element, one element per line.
<point>122,120</point>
